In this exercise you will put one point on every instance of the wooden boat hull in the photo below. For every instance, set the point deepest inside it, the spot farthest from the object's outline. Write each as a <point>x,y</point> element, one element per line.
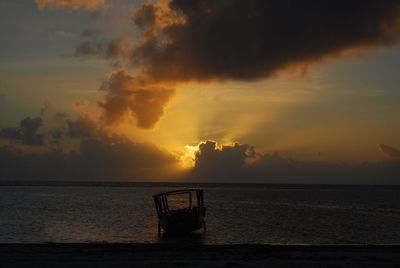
<point>182,222</point>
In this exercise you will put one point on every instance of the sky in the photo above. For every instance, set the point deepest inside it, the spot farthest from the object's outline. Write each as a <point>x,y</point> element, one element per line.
<point>207,91</point>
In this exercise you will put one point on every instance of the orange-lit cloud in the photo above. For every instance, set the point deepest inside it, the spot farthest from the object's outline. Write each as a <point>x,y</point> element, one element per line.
<point>72,4</point>
<point>80,104</point>
<point>248,40</point>
<point>136,96</point>
<point>202,41</point>
<point>219,40</point>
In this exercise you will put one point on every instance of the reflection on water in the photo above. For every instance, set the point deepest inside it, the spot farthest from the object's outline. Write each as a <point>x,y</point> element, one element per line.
<point>245,214</point>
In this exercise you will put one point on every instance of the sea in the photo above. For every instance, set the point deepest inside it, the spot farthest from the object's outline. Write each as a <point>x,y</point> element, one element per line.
<point>123,212</point>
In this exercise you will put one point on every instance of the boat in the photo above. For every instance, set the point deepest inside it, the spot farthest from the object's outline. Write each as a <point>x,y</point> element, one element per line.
<point>180,211</point>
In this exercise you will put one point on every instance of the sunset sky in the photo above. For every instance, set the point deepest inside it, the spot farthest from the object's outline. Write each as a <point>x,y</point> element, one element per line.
<point>214,91</point>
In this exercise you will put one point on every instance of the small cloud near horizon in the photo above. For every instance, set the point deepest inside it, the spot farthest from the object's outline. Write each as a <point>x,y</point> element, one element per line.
<point>390,151</point>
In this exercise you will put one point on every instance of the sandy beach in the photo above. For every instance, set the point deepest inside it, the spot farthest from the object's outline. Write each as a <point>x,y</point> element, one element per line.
<point>173,255</point>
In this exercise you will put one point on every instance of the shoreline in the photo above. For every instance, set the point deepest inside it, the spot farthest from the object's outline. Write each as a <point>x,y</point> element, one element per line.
<point>194,255</point>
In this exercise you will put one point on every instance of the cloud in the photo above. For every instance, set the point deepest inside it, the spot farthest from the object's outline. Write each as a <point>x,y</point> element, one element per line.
<point>118,48</point>
<point>214,160</point>
<point>111,158</point>
<point>135,96</point>
<point>145,16</point>
<point>98,154</point>
<point>82,127</point>
<point>219,40</point>
<point>242,163</point>
<point>79,149</point>
<point>72,4</point>
<point>390,151</point>
<point>50,129</point>
<point>26,132</point>
<point>204,40</point>
<point>80,104</point>
<point>39,131</point>
<point>57,147</point>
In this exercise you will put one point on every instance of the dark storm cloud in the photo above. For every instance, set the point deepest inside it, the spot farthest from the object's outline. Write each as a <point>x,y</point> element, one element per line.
<point>241,163</point>
<point>97,159</point>
<point>212,160</point>
<point>390,151</point>
<point>252,39</point>
<point>207,40</point>
<point>33,132</point>
<point>100,155</point>
<point>26,133</point>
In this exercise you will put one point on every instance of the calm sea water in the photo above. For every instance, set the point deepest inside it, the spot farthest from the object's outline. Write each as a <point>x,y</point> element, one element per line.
<point>262,214</point>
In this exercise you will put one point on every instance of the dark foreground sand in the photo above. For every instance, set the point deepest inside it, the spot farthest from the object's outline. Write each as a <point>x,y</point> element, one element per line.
<point>172,255</point>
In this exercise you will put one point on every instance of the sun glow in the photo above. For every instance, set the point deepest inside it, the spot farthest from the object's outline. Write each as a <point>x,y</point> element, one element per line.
<point>189,157</point>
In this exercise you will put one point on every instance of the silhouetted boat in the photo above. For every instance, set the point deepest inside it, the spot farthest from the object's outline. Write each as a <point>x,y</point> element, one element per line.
<point>184,219</point>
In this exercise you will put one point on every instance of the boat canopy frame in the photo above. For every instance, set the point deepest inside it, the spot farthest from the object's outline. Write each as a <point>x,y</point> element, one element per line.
<point>161,199</point>
<point>194,213</point>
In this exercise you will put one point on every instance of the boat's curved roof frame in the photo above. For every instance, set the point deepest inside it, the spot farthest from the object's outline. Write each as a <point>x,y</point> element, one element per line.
<point>178,191</point>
